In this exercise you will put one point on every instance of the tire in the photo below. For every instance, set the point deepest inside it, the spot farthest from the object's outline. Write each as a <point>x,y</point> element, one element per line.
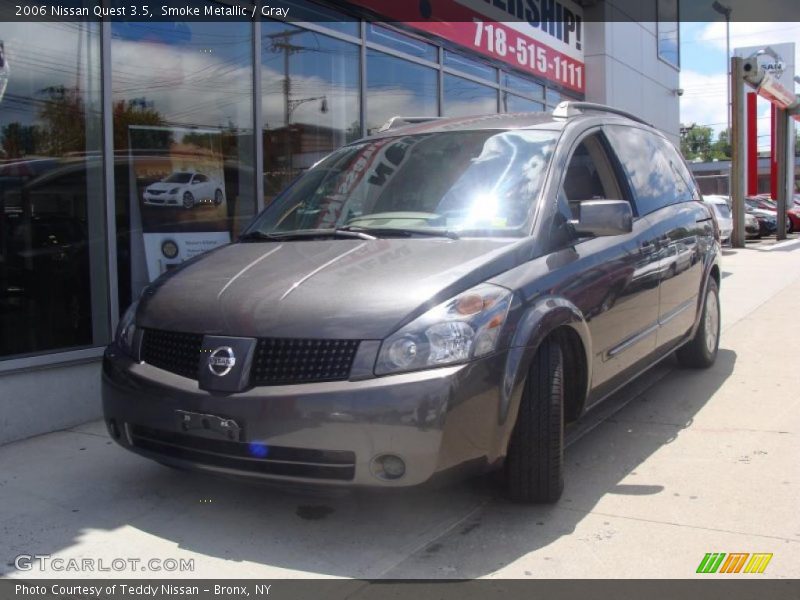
<point>701,351</point>
<point>534,465</point>
<point>188,200</point>
<point>218,198</point>
<point>789,225</point>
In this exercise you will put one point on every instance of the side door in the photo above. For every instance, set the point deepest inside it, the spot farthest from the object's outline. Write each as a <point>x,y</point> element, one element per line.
<point>617,288</point>
<point>665,192</point>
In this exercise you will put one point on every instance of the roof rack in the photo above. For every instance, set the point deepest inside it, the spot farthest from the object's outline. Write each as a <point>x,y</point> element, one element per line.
<point>568,109</point>
<point>397,122</point>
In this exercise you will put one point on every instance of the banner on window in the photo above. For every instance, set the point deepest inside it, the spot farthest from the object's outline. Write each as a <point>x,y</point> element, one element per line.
<point>542,37</point>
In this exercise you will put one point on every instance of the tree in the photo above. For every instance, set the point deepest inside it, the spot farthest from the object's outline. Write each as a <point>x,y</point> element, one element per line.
<point>18,140</point>
<point>696,142</point>
<point>721,149</point>
<point>139,112</point>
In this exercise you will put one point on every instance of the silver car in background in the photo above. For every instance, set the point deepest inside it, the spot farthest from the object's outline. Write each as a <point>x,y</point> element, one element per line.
<point>724,216</point>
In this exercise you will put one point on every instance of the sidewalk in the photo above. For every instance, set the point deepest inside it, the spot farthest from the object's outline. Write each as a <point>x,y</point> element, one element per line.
<point>693,462</point>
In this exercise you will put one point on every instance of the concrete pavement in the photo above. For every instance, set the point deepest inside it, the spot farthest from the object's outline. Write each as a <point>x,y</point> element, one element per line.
<point>686,462</point>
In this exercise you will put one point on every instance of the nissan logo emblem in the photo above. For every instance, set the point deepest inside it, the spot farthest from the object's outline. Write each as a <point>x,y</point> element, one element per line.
<point>221,361</point>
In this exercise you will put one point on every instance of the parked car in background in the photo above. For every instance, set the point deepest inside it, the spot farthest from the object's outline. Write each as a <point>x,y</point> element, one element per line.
<point>184,188</point>
<point>765,202</point>
<point>723,214</point>
<point>767,219</point>
<point>752,229</point>
<point>425,301</point>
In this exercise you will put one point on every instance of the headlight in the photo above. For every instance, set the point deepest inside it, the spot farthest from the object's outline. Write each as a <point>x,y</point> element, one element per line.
<point>126,330</point>
<point>465,327</point>
<point>175,190</point>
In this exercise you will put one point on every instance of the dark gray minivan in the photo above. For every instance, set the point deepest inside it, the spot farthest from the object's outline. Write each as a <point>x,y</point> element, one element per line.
<point>443,296</point>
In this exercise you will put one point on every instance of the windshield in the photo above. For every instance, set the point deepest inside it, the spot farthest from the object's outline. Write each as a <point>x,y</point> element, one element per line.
<point>722,210</point>
<point>484,181</point>
<point>179,178</point>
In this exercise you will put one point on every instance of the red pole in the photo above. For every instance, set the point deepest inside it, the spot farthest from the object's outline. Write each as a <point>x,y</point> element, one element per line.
<point>752,145</point>
<point>773,163</point>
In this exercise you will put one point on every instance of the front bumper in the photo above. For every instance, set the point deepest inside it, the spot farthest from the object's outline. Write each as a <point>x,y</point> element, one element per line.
<point>439,420</point>
<point>161,200</point>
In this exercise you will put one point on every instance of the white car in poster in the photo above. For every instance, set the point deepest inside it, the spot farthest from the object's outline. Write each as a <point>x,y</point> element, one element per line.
<point>184,188</point>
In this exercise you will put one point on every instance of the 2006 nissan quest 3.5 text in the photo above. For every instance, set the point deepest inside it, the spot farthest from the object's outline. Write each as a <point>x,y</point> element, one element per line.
<point>445,295</point>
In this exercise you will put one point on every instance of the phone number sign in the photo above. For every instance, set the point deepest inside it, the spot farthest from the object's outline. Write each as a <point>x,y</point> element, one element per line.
<point>541,37</point>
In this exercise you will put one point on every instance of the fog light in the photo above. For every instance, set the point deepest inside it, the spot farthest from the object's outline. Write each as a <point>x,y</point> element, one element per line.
<point>389,466</point>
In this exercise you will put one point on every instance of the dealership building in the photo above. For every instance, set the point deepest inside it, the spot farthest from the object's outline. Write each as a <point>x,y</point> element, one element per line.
<point>128,147</point>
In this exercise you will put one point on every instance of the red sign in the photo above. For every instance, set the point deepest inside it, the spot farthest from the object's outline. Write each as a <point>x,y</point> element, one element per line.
<point>527,41</point>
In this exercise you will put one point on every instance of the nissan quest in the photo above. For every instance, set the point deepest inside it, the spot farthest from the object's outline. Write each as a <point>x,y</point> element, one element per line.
<point>443,297</point>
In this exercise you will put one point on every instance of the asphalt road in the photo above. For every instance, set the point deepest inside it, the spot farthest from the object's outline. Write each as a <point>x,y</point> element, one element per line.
<point>680,464</point>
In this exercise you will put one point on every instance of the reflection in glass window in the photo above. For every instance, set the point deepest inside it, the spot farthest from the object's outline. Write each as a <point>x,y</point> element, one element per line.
<point>512,104</point>
<point>470,66</point>
<point>398,87</point>
<point>183,101</point>
<point>401,42</point>
<point>552,97</point>
<point>468,181</point>
<point>668,32</point>
<point>653,170</point>
<point>463,97</point>
<point>520,85</point>
<point>52,213</point>
<point>309,100</point>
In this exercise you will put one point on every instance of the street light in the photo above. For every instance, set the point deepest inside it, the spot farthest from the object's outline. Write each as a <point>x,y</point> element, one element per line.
<point>726,11</point>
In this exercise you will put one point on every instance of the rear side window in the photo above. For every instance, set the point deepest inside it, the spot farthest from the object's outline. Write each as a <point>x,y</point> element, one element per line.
<point>653,167</point>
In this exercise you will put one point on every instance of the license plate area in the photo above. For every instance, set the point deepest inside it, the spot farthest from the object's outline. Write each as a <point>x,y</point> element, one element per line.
<point>209,426</point>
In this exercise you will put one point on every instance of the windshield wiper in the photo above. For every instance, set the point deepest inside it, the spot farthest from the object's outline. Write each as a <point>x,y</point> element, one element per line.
<point>303,234</point>
<point>399,231</point>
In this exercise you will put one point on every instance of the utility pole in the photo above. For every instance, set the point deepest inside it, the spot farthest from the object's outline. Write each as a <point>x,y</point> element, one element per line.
<point>726,11</point>
<point>737,174</point>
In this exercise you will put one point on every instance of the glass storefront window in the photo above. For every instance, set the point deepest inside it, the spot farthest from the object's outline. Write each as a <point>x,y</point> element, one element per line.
<point>512,104</point>
<point>520,85</point>
<point>552,97</point>
<point>53,263</point>
<point>473,67</point>
<point>183,143</point>
<point>398,87</point>
<point>463,97</point>
<point>401,42</point>
<point>309,100</point>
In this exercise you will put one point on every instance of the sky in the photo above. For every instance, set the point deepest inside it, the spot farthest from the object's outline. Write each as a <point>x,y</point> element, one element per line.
<point>704,66</point>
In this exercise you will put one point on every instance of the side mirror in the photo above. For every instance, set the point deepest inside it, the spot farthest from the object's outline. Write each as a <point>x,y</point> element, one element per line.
<point>604,218</point>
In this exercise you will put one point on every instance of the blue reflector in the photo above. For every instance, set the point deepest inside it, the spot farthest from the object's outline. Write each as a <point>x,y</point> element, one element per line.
<point>257,449</point>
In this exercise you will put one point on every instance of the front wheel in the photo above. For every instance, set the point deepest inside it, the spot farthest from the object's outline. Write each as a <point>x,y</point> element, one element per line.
<point>701,351</point>
<point>534,466</point>
<point>188,200</point>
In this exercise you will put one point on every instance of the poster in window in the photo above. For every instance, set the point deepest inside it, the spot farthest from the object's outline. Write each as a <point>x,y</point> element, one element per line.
<point>178,197</point>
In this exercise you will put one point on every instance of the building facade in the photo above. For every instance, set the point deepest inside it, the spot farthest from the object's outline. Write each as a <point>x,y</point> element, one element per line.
<point>126,148</point>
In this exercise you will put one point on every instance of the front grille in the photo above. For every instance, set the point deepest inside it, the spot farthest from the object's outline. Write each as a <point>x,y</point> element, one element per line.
<point>244,456</point>
<point>277,361</point>
<point>172,351</point>
<point>288,361</point>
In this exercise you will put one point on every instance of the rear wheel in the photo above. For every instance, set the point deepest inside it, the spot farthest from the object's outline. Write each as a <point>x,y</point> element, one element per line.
<point>534,466</point>
<point>218,197</point>
<point>701,351</point>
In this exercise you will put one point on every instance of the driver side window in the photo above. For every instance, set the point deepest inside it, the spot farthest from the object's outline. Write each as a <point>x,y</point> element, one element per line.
<point>589,175</point>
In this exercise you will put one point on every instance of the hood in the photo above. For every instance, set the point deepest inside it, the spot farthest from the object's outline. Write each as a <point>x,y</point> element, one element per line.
<point>162,185</point>
<point>330,289</point>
